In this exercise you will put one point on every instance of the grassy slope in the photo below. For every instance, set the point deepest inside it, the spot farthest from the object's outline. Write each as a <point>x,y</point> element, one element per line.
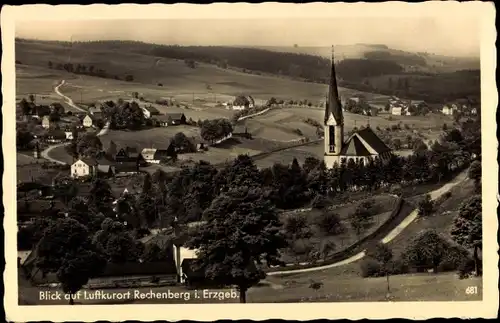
<point>178,80</point>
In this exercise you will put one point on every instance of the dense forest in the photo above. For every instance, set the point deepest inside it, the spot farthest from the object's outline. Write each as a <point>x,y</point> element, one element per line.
<point>377,72</point>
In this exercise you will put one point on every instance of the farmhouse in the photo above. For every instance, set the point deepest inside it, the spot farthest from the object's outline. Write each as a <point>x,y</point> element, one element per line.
<point>171,119</point>
<point>84,167</point>
<point>54,136</point>
<point>88,121</point>
<point>361,146</point>
<point>243,102</point>
<point>448,109</point>
<point>46,122</point>
<point>397,110</point>
<point>155,156</point>
<point>127,154</point>
<point>149,111</point>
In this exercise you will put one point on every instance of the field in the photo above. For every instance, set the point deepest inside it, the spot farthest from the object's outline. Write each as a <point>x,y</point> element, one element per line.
<point>179,81</point>
<point>384,205</point>
<point>441,220</point>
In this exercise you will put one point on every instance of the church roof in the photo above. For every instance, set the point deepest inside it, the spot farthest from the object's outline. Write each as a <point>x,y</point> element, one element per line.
<point>373,140</point>
<point>354,147</point>
<point>333,106</point>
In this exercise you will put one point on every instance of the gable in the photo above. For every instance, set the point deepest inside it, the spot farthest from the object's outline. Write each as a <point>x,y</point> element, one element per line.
<point>122,153</point>
<point>331,120</point>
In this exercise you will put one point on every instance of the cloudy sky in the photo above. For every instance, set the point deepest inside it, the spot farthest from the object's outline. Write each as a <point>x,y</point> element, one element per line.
<point>445,35</point>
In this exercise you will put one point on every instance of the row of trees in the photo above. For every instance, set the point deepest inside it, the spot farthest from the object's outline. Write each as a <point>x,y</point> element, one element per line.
<point>215,129</point>
<point>87,70</point>
<point>123,115</point>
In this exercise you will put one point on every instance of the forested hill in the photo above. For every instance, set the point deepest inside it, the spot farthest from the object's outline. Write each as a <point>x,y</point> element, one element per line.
<point>363,72</point>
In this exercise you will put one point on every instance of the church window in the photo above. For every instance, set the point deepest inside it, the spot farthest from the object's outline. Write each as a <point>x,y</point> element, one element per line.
<point>331,135</point>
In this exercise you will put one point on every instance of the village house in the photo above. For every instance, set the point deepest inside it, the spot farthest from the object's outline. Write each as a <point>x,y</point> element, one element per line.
<point>171,119</point>
<point>88,121</point>
<point>84,167</point>
<point>46,122</point>
<point>397,110</point>
<point>55,136</point>
<point>156,156</point>
<point>149,111</point>
<point>243,102</point>
<point>449,109</point>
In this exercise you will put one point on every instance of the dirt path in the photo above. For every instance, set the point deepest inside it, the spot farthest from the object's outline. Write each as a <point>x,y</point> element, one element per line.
<point>390,236</point>
<point>69,101</point>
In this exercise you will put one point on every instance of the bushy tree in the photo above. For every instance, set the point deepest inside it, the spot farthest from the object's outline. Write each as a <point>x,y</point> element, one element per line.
<point>426,250</point>
<point>426,206</point>
<point>467,227</point>
<point>66,249</point>
<point>242,229</point>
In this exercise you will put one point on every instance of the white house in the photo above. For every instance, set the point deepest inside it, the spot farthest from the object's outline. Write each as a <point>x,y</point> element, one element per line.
<point>88,121</point>
<point>46,122</point>
<point>447,110</point>
<point>69,134</point>
<point>149,111</point>
<point>84,167</point>
<point>396,110</point>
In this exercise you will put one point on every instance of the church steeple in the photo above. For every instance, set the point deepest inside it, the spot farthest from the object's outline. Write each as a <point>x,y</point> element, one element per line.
<point>333,105</point>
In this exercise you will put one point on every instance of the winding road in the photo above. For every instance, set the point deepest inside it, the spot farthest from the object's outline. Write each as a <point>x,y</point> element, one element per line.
<point>389,237</point>
<point>69,101</point>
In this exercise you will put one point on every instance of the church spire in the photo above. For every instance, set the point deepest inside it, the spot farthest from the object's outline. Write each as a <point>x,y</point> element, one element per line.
<point>333,106</point>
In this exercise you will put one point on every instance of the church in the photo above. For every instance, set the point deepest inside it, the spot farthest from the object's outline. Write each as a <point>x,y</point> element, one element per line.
<point>362,146</point>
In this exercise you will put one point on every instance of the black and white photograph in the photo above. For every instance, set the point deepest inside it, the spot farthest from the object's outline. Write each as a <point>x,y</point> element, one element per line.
<point>215,159</point>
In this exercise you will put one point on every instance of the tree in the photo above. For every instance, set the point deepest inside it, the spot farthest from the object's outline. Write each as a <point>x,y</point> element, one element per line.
<point>100,197</point>
<point>397,143</point>
<point>241,231</point>
<point>88,145</point>
<point>383,254</point>
<point>475,174</point>
<point>31,98</point>
<point>129,78</point>
<point>25,107</point>
<point>329,223</point>
<point>66,249</point>
<point>467,227</point>
<point>426,206</point>
<point>182,143</point>
<point>50,64</point>
<point>426,250</point>
<point>112,149</point>
<point>360,219</point>
<point>118,245</point>
<point>23,138</point>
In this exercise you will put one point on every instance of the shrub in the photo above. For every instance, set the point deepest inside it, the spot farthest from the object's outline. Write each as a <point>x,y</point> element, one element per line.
<point>371,268</point>
<point>466,268</point>
<point>329,223</point>
<point>426,206</point>
<point>453,258</point>
<point>398,267</point>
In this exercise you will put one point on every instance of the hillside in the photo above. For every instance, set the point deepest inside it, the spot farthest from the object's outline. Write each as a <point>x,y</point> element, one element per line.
<point>355,70</point>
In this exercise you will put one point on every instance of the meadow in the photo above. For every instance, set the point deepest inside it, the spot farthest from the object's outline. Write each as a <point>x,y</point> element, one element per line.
<point>178,80</point>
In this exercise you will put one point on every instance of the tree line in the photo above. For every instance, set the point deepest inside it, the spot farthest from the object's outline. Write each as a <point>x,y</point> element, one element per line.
<point>90,70</point>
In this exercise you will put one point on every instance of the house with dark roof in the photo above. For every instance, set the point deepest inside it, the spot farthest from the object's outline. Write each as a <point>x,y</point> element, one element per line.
<point>55,136</point>
<point>361,146</point>
<point>156,156</point>
<point>149,111</point>
<point>171,119</point>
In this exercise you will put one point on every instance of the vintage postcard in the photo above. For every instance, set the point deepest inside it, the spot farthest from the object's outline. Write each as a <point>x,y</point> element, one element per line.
<point>250,161</point>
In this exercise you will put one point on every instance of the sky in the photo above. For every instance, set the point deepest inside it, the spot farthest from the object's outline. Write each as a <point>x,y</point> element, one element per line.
<point>444,35</point>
